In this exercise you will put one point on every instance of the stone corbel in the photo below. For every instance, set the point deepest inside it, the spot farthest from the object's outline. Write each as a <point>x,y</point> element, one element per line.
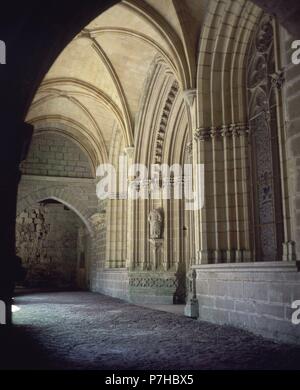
<point>189,96</point>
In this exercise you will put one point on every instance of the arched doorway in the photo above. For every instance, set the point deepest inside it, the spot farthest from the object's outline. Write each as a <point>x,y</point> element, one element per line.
<point>53,243</point>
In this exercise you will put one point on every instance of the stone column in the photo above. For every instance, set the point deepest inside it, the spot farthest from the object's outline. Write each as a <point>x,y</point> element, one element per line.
<point>201,150</point>
<point>130,214</point>
<point>218,192</point>
<point>240,137</point>
<point>229,190</point>
<point>203,236</point>
<point>192,307</point>
<point>14,150</point>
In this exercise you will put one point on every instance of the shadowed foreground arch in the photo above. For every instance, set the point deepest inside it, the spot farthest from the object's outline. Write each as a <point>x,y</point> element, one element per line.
<point>35,35</point>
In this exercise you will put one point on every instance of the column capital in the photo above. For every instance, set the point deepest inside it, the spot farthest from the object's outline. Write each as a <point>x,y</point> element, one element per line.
<point>215,132</point>
<point>226,131</point>
<point>202,134</point>
<point>129,151</point>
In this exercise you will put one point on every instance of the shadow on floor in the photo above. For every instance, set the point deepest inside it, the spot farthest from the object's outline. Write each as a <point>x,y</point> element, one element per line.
<point>80,330</point>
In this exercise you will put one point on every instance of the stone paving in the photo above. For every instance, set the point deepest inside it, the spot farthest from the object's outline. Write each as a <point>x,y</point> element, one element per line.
<point>79,330</point>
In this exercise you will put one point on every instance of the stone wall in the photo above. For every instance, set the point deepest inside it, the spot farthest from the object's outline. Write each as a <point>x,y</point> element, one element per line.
<point>57,169</point>
<point>112,282</point>
<point>137,287</point>
<point>83,256</point>
<point>46,240</point>
<point>253,296</point>
<point>55,155</point>
<point>98,252</point>
<point>78,194</point>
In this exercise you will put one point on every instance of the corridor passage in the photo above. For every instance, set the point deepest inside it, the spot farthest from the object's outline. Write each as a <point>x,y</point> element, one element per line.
<point>79,330</point>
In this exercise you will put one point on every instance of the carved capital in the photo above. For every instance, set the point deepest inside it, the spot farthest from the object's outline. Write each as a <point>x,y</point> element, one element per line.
<point>278,79</point>
<point>202,134</point>
<point>215,132</point>
<point>226,131</point>
<point>129,151</point>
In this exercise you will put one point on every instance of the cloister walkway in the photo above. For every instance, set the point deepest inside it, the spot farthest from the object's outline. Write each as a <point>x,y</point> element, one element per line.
<point>81,330</point>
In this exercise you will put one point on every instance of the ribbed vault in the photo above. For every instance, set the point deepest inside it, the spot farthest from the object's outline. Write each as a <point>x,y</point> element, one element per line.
<point>96,84</point>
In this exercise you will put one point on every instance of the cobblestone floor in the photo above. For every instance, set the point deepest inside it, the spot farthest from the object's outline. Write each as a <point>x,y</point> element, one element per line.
<point>90,331</point>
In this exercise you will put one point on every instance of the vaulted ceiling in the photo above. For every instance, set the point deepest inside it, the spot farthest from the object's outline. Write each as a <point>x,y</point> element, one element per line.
<point>95,85</point>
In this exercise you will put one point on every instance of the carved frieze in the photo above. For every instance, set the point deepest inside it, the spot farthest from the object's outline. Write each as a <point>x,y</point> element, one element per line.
<point>160,137</point>
<point>232,130</point>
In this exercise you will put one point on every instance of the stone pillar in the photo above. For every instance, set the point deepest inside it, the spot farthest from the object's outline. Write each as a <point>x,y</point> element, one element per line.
<point>130,214</point>
<point>240,134</point>
<point>192,307</point>
<point>201,150</point>
<point>229,190</point>
<point>203,237</point>
<point>14,150</point>
<point>218,192</point>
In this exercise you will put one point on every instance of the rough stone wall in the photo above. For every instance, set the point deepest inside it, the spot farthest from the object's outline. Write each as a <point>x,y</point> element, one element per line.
<point>78,193</point>
<point>46,239</point>
<point>55,155</point>
<point>253,296</point>
<point>58,169</point>
<point>83,253</point>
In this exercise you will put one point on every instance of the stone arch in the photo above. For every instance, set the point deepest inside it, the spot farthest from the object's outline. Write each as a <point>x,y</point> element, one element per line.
<point>63,195</point>
<point>221,62</point>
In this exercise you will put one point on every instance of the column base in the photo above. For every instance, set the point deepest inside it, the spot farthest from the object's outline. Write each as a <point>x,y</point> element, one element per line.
<point>217,255</point>
<point>289,251</point>
<point>5,313</point>
<point>192,308</point>
<point>204,257</point>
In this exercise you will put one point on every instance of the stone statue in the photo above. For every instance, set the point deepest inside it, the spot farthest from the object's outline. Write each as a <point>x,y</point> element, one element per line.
<point>155,219</point>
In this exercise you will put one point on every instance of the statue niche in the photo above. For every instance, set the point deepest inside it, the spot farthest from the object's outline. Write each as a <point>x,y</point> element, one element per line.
<point>155,220</point>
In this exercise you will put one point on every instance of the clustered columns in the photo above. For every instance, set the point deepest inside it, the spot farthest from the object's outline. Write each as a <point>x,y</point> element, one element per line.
<point>130,214</point>
<point>223,224</point>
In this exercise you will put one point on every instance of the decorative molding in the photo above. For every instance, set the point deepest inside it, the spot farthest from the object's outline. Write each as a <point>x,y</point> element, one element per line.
<point>160,137</point>
<point>232,130</point>
<point>151,281</point>
<point>264,266</point>
<point>202,134</point>
<point>98,221</point>
<point>215,132</point>
<point>189,148</point>
<point>267,227</point>
<point>278,79</point>
<point>264,37</point>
